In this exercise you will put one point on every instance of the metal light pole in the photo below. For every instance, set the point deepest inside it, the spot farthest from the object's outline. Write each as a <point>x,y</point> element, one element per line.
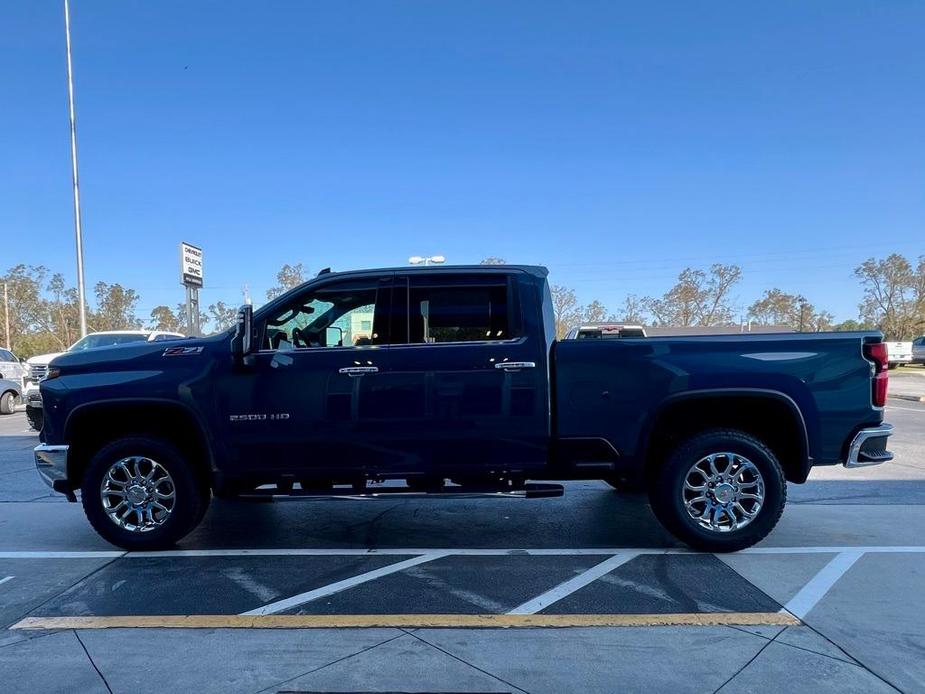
<point>81,290</point>
<point>6,316</point>
<point>434,259</point>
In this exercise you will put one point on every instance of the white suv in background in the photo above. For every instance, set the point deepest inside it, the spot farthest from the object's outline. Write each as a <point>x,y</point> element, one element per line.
<point>38,365</point>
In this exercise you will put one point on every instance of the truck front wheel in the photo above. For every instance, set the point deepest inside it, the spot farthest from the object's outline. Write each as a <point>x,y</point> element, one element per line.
<point>140,493</point>
<point>719,491</point>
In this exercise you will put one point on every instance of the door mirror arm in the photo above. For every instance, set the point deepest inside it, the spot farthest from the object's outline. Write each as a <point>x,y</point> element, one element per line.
<point>242,343</point>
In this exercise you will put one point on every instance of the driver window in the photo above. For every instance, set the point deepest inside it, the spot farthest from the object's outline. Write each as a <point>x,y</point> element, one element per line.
<point>341,315</point>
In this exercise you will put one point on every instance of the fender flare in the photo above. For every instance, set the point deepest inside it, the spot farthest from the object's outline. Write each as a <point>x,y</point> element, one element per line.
<point>805,461</point>
<point>188,411</point>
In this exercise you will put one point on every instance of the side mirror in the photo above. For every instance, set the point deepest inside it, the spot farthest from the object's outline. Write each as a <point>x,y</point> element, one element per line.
<point>333,337</point>
<point>242,344</point>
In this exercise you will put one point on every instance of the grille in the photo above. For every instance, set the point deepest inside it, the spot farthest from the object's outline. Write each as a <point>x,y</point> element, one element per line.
<point>39,371</point>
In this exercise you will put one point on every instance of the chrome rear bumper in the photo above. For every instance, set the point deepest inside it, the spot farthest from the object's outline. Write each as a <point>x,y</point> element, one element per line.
<point>868,447</point>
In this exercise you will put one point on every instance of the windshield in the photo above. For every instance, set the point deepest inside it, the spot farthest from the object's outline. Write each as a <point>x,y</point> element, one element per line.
<point>94,341</point>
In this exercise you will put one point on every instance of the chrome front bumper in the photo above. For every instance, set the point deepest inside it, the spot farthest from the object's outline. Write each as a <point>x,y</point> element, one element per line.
<point>868,447</point>
<point>51,463</point>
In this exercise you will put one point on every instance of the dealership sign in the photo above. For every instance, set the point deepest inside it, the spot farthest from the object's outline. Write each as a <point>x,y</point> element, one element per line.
<point>190,265</point>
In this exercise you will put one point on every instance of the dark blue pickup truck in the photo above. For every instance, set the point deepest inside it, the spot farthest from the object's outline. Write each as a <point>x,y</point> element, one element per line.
<point>450,379</point>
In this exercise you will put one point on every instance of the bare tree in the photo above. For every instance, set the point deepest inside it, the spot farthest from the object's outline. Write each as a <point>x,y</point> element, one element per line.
<point>222,316</point>
<point>163,318</point>
<point>793,311</point>
<point>492,260</point>
<point>633,311</point>
<point>595,312</point>
<point>289,276</point>
<point>894,295</point>
<point>697,298</point>
<point>566,309</point>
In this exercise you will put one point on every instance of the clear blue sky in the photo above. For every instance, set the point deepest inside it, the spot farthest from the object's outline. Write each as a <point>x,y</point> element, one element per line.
<point>613,142</point>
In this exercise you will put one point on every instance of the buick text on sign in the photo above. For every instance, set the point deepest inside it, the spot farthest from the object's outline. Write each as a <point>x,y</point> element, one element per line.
<point>190,265</point>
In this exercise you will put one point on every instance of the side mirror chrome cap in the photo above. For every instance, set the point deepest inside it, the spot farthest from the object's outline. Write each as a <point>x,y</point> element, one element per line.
<point>242,344</point>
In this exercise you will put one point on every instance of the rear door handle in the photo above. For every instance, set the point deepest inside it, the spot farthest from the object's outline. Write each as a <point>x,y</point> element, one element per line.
<point>515,365</point>
<point>358,370</point>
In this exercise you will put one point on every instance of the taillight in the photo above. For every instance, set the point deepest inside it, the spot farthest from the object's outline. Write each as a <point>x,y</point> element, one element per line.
<point>877,353</point>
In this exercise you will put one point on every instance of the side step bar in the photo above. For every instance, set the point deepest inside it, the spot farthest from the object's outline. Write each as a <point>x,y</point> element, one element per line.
<point>531,490</point>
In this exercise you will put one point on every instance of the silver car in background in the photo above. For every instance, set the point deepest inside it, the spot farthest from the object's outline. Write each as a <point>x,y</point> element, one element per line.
<point>918,350</point>
<point>12,367</point>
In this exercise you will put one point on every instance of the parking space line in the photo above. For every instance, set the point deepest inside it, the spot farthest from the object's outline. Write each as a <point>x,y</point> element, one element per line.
<point>461,552</point>
<point>330,589</point>
<point>61,555</point>
<point>810,594</point>
<point>8,578</point>
<point>409,621</point>
<point>570,586</point>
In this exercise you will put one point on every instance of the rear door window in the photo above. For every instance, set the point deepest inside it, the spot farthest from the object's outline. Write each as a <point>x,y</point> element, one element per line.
<point>447,309</point>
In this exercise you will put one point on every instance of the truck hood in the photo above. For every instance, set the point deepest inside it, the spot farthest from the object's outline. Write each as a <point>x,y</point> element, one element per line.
<point>42,359</point>
<point>131,352</point>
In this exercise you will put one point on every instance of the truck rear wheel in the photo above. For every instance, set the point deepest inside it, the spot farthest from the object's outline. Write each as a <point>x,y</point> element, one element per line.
<point>719,491</point>
<point>140,493</point>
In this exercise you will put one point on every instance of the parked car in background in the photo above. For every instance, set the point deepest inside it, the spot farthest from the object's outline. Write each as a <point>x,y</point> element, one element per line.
<point>12,367</point>
<point>38,365</point>
<point>593,331</point>
<point>918,350</point>
<point>899,353</point>
<point>9,395</point>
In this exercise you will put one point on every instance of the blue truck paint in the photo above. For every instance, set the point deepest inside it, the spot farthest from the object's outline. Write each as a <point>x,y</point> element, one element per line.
<point>587,409</point>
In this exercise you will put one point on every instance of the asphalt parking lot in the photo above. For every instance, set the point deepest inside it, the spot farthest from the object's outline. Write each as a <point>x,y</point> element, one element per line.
<point>580,593</point>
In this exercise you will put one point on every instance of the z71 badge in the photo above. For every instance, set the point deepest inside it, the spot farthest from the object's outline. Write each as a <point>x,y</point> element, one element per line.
<point>181,351</point>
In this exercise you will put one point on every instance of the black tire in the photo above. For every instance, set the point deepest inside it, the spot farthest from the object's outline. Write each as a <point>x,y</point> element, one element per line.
<point>192,494</point>
<point>665,493</point>
<point>7,402</point>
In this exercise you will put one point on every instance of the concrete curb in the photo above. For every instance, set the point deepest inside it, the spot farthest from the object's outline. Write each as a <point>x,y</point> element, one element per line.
<point>911,398</point>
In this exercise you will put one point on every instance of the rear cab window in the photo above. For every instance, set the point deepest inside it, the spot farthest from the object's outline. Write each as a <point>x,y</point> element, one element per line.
<point>446,308</point>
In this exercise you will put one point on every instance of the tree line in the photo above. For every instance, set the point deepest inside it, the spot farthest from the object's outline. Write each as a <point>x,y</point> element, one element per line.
<point>893,300</point>
<point>43,308</point>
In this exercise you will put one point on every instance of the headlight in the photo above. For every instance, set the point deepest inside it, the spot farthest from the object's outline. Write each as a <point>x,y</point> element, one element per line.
<point>53,372</point>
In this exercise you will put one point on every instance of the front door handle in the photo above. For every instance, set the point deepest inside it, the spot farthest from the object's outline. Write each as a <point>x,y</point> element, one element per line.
<point>358,370</point>
<point>515,365</point>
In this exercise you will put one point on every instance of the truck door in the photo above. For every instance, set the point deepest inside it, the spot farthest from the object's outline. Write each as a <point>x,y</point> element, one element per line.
<point>313,398</point>
<point>467,379</point>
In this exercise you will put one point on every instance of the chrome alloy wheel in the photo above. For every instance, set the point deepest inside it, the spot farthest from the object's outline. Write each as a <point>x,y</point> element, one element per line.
<point>138,494</point>
<point>723,492</point>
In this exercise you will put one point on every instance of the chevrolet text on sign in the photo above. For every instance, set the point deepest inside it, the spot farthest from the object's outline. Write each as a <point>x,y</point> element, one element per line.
<point>190,265</point>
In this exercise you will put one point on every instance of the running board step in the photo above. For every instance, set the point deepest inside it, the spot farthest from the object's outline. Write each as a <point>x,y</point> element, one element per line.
<point>531,490</point>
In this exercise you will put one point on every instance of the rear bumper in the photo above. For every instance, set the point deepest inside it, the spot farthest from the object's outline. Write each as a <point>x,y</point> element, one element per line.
<point>51,464</point>
<point>868,447</point>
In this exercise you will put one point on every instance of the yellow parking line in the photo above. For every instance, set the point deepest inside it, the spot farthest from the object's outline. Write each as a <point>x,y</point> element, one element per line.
<point>407,621</point>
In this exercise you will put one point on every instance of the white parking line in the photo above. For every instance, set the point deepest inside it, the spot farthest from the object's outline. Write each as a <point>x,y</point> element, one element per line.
<point>61,555</point>
<point>810,594</point>
<point>330,589</point>
<point>8,578</point>
<point>580,581</point>
<point>450,551</point>
<point>906,409</point>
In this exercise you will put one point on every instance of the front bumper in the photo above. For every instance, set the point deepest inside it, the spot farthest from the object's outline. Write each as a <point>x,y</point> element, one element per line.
<point>868,447</point>
<point>51,464</point>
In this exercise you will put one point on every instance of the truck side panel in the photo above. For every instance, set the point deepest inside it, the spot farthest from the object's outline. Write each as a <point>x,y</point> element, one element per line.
<point>614,388</point>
